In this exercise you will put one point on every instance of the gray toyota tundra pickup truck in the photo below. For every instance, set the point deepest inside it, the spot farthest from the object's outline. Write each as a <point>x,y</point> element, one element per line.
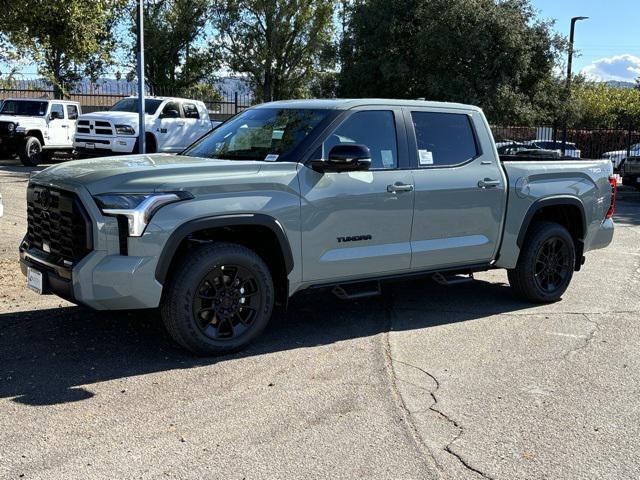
<point>299,194</point>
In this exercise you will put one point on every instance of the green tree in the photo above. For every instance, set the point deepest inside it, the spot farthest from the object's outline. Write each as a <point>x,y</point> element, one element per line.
<point>496,54</point>
<point>177,58</point>
<point>276,44</point>
<point>67,39</point>
<point>601,105</point>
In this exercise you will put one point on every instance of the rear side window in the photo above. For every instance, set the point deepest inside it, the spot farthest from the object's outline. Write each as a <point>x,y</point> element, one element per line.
<point>72,112</point>
<point>444,139</point>
<point>190,110</point>
<point>374,129</point>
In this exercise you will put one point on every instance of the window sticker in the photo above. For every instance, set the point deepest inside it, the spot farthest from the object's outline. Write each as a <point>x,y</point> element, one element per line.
<point>387,158</point>
<point>426,157</point>
<point>272,157</point>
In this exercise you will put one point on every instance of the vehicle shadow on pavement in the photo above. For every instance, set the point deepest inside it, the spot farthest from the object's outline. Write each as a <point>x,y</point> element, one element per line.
<point>45,356</point>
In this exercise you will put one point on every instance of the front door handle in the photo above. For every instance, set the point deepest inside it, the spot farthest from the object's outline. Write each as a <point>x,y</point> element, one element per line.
<point>399,187</point>
<point>488,183</point>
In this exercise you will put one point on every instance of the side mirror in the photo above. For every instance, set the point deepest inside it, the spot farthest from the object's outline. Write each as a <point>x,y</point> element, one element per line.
<point>170,114</point>
<point>56,116</point>
<point>345,157</point>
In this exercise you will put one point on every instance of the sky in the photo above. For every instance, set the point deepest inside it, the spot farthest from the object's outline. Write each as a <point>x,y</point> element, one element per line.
<point>607,44</point>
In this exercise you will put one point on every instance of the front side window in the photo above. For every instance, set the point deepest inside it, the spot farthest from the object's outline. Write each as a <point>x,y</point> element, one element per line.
<point>190,110</point>
<point>151,105</point>
<point>27,108</point>
<point>374,129</point>
<point>444,139</point>
<point>171,109</point>
<point>259,134</point>
<point>57,111</point>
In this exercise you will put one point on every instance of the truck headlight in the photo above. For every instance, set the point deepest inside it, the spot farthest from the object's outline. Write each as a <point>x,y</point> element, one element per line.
<point>125,130</point>
<point>137,208</point>
<point>11,127</point>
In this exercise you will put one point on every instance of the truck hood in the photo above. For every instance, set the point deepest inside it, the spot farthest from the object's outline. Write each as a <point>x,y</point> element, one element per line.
<point>125,118</point>
<point>23,120</point>
<point>147,173</point>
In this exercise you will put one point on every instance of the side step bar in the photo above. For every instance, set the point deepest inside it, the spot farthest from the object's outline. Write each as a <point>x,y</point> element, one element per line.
<point>452,279</point>
<point>353,291</point>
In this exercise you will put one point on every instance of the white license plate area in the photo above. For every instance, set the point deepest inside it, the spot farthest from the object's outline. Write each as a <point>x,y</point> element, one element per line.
<point>34,280</point>
<point>90,146</point>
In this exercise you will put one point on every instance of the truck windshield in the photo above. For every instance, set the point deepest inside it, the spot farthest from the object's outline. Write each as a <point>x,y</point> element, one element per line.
<point>258,134</point>
<point>27,108</point>
<point>131,105</point>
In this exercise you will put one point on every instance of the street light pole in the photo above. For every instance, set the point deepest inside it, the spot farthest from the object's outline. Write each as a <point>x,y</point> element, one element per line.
<point>141,107</point>
<point>569,65</point>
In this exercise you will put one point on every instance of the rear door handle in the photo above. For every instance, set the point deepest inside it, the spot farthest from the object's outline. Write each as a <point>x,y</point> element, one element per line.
<point>399,187</point>
<point>488,183</point>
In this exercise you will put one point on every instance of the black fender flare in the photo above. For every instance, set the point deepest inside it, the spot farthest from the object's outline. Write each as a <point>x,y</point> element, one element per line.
<point>204,223</point>
<point>550,202</point>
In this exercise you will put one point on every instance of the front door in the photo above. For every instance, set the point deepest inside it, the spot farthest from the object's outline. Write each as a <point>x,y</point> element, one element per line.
<point>460,190</point>
<point>358,224</point>
<point>171,134</point>
<point>58,126</point>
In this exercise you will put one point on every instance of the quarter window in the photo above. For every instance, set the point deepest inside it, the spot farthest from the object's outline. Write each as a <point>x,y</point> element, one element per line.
<point>374,129</point>
<point>443,139</point>
<point>190,111</point>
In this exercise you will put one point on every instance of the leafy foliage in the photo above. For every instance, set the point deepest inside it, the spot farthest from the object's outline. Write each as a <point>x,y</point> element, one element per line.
<point>277,44</point>
<point>177,58</point>
<point>600,105</point>
<point>498,55</point>
<point>67,39</point>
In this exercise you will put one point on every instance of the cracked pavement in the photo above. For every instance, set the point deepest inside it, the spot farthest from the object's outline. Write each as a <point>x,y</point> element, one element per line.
<point>425,382</point>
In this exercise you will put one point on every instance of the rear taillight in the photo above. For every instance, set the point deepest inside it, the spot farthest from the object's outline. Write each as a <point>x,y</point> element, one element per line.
<point>614,191</point>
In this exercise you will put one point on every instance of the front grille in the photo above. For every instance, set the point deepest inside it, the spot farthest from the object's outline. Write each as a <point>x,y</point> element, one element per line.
<point>103,124</point>
<point>83,122</point>
<point>83,130</point>
<point>58,224</point>
<point>103,131</point>
<point>4,128</point>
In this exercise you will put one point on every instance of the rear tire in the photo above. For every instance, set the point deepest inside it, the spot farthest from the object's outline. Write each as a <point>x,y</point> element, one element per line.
<point>219,299</point>
<point>31,152</point>
<point>546,264</point>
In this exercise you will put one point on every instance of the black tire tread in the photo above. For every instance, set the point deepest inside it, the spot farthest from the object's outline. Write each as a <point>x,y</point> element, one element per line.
<point>24,156</point>
<point>176,305</point>
<point>521,278</point>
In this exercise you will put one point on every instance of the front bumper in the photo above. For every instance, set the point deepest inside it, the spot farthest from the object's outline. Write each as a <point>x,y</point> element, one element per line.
<point>104,145</point>
<point>104,279</point>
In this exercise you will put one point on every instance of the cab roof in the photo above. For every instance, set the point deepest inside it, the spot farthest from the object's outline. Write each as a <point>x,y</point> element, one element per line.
<point>347,104</point>
<point>26,99</point>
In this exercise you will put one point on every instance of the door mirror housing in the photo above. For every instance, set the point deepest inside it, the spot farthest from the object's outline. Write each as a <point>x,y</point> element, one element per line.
<point>170,114</point>
<point>56,116</point>
<point>345,157</point>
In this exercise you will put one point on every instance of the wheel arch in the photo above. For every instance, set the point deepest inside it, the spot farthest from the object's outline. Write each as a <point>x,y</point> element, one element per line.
<point>260,232</point>
<point>567,211</point>
<point>37,134</point>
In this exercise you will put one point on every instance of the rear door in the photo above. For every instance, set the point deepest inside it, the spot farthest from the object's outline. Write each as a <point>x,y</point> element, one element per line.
<point>71,120</point>
<point>358,224</point>
<point>460,197</point>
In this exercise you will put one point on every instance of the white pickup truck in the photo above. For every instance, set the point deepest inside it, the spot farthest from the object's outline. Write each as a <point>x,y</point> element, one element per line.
<point>171,125</point>
<point>35,128</point>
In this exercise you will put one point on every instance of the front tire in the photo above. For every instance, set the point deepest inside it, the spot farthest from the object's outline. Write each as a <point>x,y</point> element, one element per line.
<point>31,152</point>
<point>219,299</point>
<point>546,264</point>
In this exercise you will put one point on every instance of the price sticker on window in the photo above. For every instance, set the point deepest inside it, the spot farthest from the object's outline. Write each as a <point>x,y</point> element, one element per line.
<point>426,157</point>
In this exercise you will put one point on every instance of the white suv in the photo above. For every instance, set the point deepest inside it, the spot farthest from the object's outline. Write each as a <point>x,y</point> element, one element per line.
<point>35,128</point>
<point>171,125</point>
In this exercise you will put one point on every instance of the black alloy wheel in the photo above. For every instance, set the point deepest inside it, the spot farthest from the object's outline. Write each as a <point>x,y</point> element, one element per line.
<point>227,302</point>
<point>552,266</point>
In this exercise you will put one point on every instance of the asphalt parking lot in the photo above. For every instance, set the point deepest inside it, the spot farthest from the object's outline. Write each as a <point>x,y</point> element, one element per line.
<point>423,382</point>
